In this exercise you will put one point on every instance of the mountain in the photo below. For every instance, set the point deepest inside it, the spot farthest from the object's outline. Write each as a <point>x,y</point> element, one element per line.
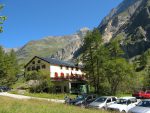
<point>7,50</point>
<point>131,20</point>
<point>61,47</point>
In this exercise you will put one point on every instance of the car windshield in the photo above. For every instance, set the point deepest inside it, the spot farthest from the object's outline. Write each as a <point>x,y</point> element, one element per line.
<point>80,97</point>
<point>121,101</point>
<point>144,104</point>
<point>101,99</point>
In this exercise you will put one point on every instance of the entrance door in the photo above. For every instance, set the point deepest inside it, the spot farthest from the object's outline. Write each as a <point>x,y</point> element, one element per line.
<point>58,89</point>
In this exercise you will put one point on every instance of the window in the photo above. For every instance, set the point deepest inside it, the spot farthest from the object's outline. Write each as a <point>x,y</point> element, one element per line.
<point>108,100</point>
<point>61,67</point>
<point>65,89</point>
<point>62,75</point>
<point>94,96</point>
<point>58,89</point>
<point>89,97</point>
<point>77,69</point>
<point>128,102</point>
<point>43,66</point>
<point>33,68</point>
<point>38,67</point>
<point>39,61</point>
<point>56,75</point>
<point>28,69</point>
<point>113,99</point>
<point>33,62</point>
<point>67,67</point>
<point>67,75</point>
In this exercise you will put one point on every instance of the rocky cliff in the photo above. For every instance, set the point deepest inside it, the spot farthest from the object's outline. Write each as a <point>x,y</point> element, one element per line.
<point>131,19</point>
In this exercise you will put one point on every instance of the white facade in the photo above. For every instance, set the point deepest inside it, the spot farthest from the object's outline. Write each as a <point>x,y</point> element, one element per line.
<point>65,70</point>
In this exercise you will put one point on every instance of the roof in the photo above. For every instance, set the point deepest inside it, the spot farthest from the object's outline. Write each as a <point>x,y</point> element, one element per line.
<point>55,61</point>
<point>126,98</point>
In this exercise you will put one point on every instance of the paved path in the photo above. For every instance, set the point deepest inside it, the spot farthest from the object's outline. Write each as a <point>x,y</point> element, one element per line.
<point>29,97</point>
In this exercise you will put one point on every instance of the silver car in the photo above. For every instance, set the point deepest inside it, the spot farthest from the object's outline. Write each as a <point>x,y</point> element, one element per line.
<point>102,102</point>
<point>141,107</point>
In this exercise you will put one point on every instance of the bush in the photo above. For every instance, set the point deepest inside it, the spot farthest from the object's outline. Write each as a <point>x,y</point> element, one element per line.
<point>44,85</point>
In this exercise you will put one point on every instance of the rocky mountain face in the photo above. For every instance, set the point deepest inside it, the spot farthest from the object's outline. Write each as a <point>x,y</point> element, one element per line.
<point>131,19</point>
<point>61,47</point>
<point>72,50</point>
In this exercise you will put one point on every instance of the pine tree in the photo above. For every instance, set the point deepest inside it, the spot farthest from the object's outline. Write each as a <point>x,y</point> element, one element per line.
<point>2,19</point>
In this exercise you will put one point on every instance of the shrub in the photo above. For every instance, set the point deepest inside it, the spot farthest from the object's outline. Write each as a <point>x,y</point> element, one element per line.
<point>44,85</point>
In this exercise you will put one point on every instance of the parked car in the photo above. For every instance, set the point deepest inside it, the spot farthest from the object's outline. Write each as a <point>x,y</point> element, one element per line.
<point>102,102</point>
<point>146,94</point>
<point>77,99</point>
<point>4,88</point>
<point>138,94</point>
<point>123,104</point>
<point>141,107</point>
<point>142,94</point>
<point>87,100</point>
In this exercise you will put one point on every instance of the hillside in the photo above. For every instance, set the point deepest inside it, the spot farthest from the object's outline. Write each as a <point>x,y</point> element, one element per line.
<point>131,19</point>
<point>52,46</point>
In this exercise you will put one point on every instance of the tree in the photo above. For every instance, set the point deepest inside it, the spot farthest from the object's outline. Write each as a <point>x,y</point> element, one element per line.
<point>8,67</point>
<point>95,54</point>
<point>2,55</point>
<point>2,19</point>
<point>147,78</point>
<point>117,71</point>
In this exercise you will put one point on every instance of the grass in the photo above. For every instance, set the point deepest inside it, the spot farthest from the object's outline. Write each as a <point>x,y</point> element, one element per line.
<point>9,105</point>
<point>50,96</point>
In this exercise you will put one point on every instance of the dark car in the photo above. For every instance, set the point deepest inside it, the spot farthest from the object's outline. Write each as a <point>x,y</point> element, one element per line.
<point>77,99</point>
<point>4,88</point>
<point>87,100</point>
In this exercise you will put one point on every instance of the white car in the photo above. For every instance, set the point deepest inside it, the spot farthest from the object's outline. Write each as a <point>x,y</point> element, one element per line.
<point>123,104</point>
<point>102,102</point>
<point>141,107</point>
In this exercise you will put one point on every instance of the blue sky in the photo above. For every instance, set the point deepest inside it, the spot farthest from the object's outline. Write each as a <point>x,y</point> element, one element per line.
<point>34,19</point>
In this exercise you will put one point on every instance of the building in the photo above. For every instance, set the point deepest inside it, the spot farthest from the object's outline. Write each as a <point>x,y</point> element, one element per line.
<point>67,77</point>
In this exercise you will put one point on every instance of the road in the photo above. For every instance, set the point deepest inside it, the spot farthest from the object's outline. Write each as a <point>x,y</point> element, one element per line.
<point>22,97</point>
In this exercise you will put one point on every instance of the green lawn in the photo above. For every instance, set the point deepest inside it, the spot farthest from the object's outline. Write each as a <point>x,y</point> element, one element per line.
<point>50,96</point>
<point>9,105</point>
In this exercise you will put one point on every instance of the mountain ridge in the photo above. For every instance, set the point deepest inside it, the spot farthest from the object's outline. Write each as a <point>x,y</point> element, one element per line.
<point>50,46</point>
